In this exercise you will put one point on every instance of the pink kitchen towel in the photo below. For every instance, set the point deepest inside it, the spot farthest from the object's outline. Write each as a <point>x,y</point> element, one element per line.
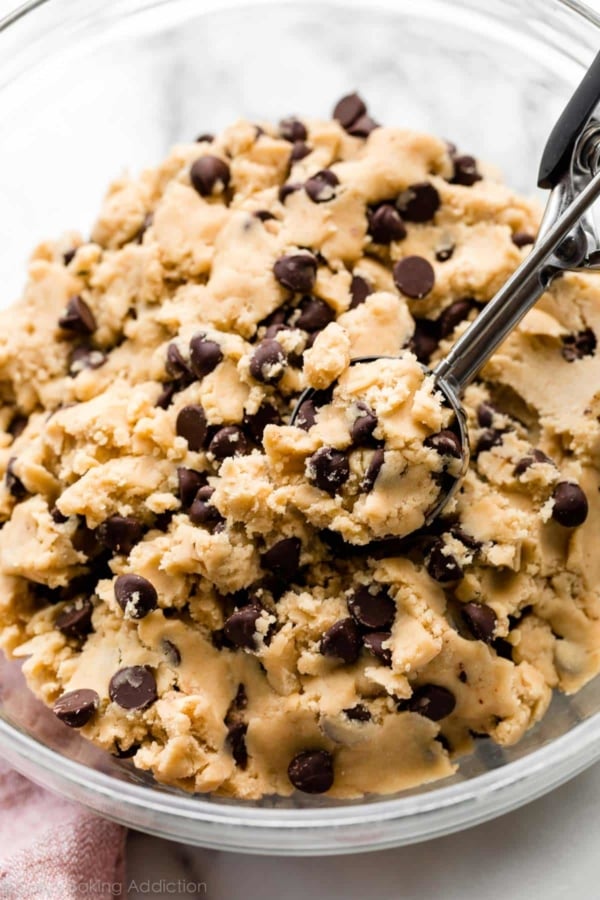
<point>52,848</point>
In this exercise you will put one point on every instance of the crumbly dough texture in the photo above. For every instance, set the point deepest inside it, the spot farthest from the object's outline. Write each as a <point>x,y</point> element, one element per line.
<point>269,652</point>
<point>393,395</point>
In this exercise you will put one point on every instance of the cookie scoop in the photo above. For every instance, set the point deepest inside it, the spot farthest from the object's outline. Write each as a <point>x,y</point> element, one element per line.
<point>568,240</point>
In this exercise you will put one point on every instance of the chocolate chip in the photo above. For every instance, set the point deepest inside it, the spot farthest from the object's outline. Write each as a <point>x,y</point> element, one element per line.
<point>419,202</point>
<point>69,255</point>
<point>480,619</point>
<point>169,389</point>
<point>311,771</point>
<point>163,520</point>
<point>236,738</point>
<point>465,171</point>
<point>307,415</point>
<point>276,328</point>
<point>373,609</point>
<point>364,424</point>
<point>374,641</point>
<point>263,215</point>
<point>535,456</point>
<point>17,426</point>
<point>268,362</point>
<point>289,188</point>
<point>85,357</point>
<point>255,423</point>
<point>202,511</point>
<point>205,355</point>
<point>240,627</point>
<point>189,482</point>
<point>75,620</point>
<point>14,484</point>
<point>358,713</point>
<point>445,442</point>
<point>441,566</point>
<point>425,340</point>
<point>299,151</point>
<point>78,317</point>
<point>489,438</point>
<point>328,469</point>
<point>522,238</point>
<point>485,415</point>
<point>133,687</point>
<point>283,558</point>
<point>206,137</point>
<point>385,224</point>
<point>85,540</point>
<point>127,753</point>
<point>350,108</point>
<point>296,272</point>
<point>135,595</point>
<point>171,652</point>
<point>228,441</point>
<point>57,516</point>
<point>373,470</point>
<point>209,175</point>
<point>452,316</point>
<point>279,316</point>
<point>191,424</point>
<point>432,701</point>
<point>342,641</point>
<point>362,127</point>
<point>359,291</point>
<point>576,346</point>
<point>414,276</point>
<point>570,505</point>
<point>76,708</point>
<point>121,533</point>
<point>444,253</point>
<point>292,130</point>
<point>315,314</point>
<point>321,186</point>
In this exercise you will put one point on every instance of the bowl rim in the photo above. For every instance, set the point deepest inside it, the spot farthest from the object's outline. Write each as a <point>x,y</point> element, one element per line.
<point>580,743</point>
<point>568,754</point>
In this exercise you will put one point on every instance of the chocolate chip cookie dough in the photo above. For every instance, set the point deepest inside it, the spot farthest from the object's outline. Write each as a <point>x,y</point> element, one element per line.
<point>376,449</point>
<point>245,607</point>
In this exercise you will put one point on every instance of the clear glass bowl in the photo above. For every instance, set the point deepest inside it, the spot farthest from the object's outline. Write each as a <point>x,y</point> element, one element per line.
<point>89,89</point>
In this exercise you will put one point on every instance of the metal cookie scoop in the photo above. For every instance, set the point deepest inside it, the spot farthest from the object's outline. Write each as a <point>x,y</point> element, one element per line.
<point>567,241</point>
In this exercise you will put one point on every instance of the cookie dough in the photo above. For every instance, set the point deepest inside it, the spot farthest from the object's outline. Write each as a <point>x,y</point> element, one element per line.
<point>178,576</point>
<point>367,457</point>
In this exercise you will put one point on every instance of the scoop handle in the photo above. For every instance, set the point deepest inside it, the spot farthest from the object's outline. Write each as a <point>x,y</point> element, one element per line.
<point>573,119</point>
<point>514,299</point>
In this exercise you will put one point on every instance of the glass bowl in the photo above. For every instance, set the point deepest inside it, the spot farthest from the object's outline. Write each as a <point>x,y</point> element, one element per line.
<point>90,89</point>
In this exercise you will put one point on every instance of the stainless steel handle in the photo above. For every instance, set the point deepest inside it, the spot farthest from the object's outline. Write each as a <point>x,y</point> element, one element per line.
<point>514,299</point>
